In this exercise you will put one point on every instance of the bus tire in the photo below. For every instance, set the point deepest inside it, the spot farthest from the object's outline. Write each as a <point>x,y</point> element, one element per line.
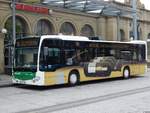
<point>73,78</point>
<point>126,73</point>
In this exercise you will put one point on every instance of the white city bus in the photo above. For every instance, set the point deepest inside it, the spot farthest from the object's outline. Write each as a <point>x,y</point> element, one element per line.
<point>58,59</point>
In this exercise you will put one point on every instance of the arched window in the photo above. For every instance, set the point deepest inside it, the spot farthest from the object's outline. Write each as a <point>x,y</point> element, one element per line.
<point>87,30</point>
<point>44,27</point>
<point>67,29</point>
<point>21,31</point>
<point>21,27</point>
<point>122,35</point>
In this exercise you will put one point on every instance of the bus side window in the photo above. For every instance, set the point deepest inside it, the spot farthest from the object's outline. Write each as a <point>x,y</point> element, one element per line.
<point>126,55</point>
<point>84,55</point>
<point>91,53</point>
<point>135,56</point>
<point>141,53</point>
<point>117,55</point>
<point>70,56</point>
<point>140,57</point>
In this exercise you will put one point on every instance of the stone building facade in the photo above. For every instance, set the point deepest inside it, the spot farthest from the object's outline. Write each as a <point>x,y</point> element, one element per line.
<point>59,20</point>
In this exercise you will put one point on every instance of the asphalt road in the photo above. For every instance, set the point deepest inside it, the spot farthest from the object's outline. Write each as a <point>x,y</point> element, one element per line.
<point>105,96</point>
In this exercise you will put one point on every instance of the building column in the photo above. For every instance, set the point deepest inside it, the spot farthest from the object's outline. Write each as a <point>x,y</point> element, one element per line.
<point>2,52</point>
<point>111,29</point>
<point>101,27</point>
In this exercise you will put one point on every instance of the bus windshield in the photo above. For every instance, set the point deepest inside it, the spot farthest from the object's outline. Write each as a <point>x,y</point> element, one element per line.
<point>26,54</point>
<point>26,58</point>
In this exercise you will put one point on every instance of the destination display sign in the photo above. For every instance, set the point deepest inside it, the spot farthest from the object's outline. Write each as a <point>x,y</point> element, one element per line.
<point>27,43</point>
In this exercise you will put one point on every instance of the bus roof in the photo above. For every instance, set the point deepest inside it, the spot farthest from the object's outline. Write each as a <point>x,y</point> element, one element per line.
<point>82,38</point>
<point>66,37</point>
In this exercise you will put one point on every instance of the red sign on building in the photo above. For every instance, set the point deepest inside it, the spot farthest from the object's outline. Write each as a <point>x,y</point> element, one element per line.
<point>30,8</point>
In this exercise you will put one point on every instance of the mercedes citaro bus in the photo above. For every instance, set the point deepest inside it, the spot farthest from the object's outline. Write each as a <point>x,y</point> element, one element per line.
<point>59,59</point>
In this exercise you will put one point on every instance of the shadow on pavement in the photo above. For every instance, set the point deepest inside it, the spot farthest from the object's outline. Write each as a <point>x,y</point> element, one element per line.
<point>54,87</point>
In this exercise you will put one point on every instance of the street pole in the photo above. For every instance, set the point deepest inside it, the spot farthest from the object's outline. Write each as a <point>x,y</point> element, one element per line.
<point>14,20</point>
<point>118,27</point>
<point>14,31</point>
<point>134,19</point>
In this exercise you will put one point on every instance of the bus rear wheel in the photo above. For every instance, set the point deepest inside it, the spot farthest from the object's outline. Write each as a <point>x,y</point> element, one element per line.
<point>73,78</point>
<point>126,73</point>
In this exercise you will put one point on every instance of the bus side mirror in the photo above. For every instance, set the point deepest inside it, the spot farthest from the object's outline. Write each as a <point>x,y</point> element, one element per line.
<point>45,51</point>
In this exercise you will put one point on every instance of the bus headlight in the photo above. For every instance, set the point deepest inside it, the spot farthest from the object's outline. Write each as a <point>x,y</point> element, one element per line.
<point>37,78</point>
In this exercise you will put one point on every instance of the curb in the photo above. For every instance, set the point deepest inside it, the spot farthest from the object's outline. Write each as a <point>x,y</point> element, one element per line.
<point>5,82</point>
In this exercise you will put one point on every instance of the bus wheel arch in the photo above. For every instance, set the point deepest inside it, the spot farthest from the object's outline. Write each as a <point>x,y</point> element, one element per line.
<point>74,77</point>
<point>126,72</point>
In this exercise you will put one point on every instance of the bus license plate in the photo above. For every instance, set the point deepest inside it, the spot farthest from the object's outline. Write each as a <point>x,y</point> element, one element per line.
<point>22,82</point>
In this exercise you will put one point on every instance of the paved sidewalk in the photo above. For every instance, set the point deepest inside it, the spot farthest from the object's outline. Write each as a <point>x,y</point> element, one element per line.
<point>5,80</point>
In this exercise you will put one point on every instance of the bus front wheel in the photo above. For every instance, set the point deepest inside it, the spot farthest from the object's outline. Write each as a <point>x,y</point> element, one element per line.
<point>126,73</point>
<point>73,78</point>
